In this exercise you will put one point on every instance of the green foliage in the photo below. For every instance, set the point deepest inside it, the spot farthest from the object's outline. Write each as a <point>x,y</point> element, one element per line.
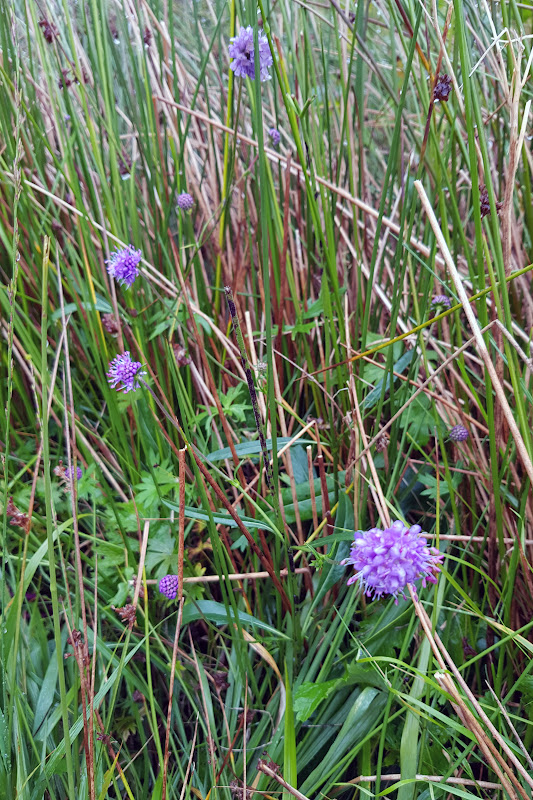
<point>107,112</point>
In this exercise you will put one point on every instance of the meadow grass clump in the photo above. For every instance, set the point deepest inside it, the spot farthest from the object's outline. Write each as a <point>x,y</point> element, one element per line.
<point>355,180</point>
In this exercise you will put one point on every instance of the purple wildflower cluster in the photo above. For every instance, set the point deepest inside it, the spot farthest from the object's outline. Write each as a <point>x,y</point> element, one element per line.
<point>458,433</point>
<point>386,562</point>
<point>242,52</point>
<point>123,265</point>
<point>168,585</point>
<point>122,370</point>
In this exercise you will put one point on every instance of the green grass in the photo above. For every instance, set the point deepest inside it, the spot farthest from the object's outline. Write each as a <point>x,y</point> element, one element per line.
<point>333,264</point>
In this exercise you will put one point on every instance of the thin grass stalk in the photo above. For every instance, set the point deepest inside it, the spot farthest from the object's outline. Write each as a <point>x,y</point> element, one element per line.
<point>49,517</point>
<point>8,692</point>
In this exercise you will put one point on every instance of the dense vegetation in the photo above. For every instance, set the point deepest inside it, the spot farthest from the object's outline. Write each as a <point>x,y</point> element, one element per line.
<point>378,268</point>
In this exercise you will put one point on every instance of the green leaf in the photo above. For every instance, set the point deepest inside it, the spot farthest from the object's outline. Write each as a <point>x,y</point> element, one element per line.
<point>372,398</point>
<point>46,695</point>
<point>70,308</point>
<point>290,764</point>
<point>219,517</point>
<point>309,696</point>
<point>251,449</point>
<point>219,615</point>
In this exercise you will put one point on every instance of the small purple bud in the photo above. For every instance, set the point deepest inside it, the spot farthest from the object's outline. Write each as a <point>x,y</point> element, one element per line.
<point>168,585</point>
<point>441,300</point>
<point>185,201</point>
<point>458,433</point>
<point>69,473</point>
<point>275,137</point>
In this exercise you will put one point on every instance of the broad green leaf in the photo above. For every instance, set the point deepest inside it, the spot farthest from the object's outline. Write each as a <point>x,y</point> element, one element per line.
<point>220,518</point>
<point>309,696</point>
<point>252,449</point>
<point>217,614</point>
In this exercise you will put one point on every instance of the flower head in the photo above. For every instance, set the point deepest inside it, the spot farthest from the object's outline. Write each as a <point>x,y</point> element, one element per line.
<point>242,52</point>
<point>168,585</point>
<point>123,265</point>
<point>185,201</point>
<point>458,433</point>
<point>49,30</point>
<point>443,88</point>
<point>69,473</point>
<point>275,136</point>
<point>441,300</point>
<point>387,561</point>
<point>125,371</point>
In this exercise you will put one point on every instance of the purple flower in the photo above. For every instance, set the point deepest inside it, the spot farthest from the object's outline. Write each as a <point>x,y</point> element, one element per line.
<point>275,136</point>
<point>242,52</point>
<point>69,473</point>
<point>123,265</point>
<point>441,300</point>
<point>169,586</point>
<point>123,370</point>
<point>185,201</point>
<point>458,433</point>
<point>387,561</point>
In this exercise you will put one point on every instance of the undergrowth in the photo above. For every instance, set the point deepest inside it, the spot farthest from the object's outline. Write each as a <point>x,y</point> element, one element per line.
<point>267,673</point>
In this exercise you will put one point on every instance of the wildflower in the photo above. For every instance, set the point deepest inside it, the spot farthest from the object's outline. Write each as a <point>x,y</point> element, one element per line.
<point>110,324</point>
<point>386,562</point>
<point>441,300</point>
<point>484,202</point>
<point>123,265</point>
<point>124,166</point>
<point>458,433</point>
<point>443,88</point>
<point>185,201</point>
<point>16,516</point>
<point>275,136</point>
<point>180,354</point>
<point>49,30</point>
<point>123,370</point>
<point>126,614</point>
<point>168,585</point>
<point>242,52</point>
<point>69,473</point>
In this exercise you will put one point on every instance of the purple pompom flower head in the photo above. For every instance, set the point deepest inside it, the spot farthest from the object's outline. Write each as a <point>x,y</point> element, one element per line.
<point>168,585</point>
<point>386,562</point>
<point>441,300</point>
<point>242,52</point>
<point>458,433</point>
<point>69,473</point>
<point>185,201</point>
<point>275,136</point>
<point>123,265</point>
<point>125,371</point>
